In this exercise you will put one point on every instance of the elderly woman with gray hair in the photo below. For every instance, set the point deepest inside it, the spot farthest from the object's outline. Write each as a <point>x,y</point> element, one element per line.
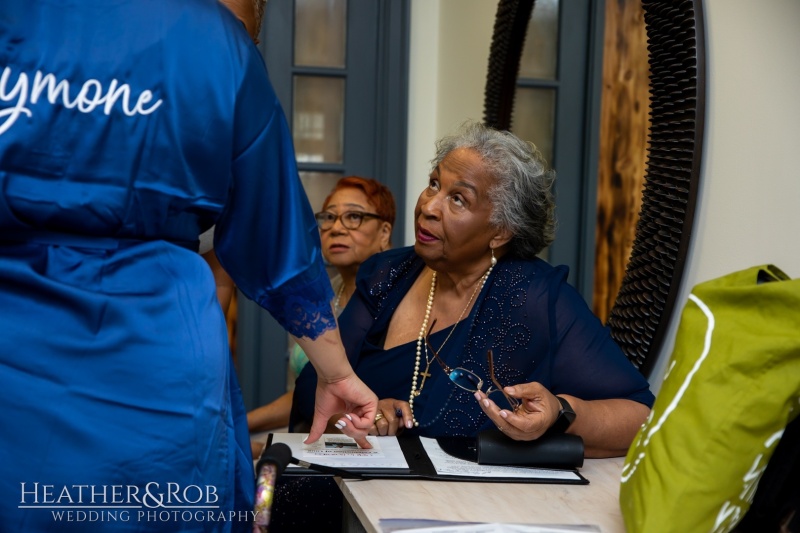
<point>436,329</point>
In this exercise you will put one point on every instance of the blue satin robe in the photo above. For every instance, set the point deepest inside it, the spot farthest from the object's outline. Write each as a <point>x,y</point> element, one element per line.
<point>128,127</point>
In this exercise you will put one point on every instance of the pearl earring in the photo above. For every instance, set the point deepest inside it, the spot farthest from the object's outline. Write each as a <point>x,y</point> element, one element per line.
<point>494,259</point>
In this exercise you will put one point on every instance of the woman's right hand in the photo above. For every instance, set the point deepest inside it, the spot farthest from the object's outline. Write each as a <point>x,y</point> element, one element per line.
<point>339,390</point>
<point>359,404</point>
<point>538,410</point>
<point>393,416</point>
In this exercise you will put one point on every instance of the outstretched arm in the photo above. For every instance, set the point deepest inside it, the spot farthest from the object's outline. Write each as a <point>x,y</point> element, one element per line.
<point>339,390</point>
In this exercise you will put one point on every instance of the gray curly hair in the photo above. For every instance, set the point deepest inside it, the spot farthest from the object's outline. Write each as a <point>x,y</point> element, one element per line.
<point>522,197</point>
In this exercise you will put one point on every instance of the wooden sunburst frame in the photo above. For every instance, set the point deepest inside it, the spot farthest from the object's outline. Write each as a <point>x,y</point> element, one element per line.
<point>639,319</point>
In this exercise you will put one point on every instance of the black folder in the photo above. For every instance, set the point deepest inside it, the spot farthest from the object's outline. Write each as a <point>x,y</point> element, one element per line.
<point>551,459</point>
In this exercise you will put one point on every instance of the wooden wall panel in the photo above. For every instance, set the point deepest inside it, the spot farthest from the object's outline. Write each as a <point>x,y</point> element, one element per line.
<point>624,123</point>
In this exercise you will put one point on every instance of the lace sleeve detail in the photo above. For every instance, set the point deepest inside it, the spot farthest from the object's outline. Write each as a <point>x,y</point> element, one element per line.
<point>303,308</point>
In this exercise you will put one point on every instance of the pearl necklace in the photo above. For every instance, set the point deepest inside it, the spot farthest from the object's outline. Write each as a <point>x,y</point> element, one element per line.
<point>338,297</point>
<point>424,329</point>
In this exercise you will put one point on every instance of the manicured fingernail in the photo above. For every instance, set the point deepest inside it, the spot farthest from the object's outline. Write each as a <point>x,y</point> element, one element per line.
<point>510,390</point>
<point>409,424</point>
<point>486,402</point>
<point>350,418</point>
<point>341,423</point>
<point>504,413</point>
<point>305,439</point>
<point>477,395</point>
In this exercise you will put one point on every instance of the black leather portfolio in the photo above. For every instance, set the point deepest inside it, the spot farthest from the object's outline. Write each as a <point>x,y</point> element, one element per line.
<point>491,457</point>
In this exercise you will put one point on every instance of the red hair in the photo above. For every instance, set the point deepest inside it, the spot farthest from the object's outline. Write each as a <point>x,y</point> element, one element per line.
<point>377,193</point>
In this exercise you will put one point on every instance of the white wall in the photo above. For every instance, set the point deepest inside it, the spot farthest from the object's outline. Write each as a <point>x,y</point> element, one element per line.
<point>450,41</point>
<point>749,205</point>
<point>748,210</point>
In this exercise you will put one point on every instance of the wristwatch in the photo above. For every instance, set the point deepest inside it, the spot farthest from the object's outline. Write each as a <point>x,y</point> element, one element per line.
<point>565,417</point>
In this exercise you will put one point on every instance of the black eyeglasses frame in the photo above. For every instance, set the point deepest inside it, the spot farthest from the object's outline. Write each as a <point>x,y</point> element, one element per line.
<point>323,216</point>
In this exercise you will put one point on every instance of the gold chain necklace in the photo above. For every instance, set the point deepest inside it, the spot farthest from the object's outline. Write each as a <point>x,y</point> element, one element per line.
<point>421,338</point>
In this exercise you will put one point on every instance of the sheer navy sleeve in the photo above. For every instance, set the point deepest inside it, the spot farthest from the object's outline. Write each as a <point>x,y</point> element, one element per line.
<point>586,362</point>
<point>365,304</point>
<point>375,276</point>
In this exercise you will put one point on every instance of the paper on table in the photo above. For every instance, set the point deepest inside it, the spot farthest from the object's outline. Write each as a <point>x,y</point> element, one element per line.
<point>413,525</point>
<point>447,465</point>
<point>341,451</point>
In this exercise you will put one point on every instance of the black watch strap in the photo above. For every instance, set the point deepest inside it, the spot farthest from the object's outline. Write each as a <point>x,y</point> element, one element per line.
<point>565,417</point>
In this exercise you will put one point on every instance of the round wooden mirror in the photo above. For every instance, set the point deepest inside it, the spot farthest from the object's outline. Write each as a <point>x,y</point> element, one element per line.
<point>639,318</point>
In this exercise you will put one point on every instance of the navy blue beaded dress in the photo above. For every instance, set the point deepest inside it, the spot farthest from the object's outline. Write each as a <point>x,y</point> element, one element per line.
<point>538,327</point>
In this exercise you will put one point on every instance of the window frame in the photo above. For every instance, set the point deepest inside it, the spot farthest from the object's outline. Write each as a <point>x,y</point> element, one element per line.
<point>375,145</point>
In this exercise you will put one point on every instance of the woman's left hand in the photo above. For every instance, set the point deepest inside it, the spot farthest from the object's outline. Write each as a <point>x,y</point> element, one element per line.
<point>538,410</point>
<point>393,416</point>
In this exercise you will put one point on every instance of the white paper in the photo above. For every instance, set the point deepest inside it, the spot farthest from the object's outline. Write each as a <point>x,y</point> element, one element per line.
<point>341,451</point>
<point>448,465</point>
<point>411,525</point>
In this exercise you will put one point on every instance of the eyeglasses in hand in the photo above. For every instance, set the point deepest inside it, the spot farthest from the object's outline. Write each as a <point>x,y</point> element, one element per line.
<point>350,219</point>
<point>468,380</point>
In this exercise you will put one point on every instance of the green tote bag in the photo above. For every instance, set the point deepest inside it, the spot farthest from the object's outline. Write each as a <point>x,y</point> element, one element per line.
<point>731,387</point>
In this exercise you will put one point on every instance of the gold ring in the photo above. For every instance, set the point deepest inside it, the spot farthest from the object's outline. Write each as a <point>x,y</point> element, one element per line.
<point>379,416</point>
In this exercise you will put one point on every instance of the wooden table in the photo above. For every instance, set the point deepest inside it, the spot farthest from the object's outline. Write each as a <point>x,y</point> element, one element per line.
<point>593,504</point>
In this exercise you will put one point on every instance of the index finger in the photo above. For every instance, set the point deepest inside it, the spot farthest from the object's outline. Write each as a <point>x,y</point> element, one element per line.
<point>489,407</point>
<point>363,443</point>
<point>318,425</point>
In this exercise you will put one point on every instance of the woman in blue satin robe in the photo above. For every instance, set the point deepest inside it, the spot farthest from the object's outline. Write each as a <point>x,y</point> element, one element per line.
<point>127,128</point>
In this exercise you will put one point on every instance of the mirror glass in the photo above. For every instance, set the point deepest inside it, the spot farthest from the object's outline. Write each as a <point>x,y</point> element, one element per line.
<point>538,61</point>
<point>676,60</point>
<point>540,51</point>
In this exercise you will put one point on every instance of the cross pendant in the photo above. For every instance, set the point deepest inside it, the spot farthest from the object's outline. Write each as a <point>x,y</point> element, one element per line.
<point>425,375</point>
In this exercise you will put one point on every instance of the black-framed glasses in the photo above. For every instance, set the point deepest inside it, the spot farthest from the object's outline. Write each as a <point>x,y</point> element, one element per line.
<point>469,380</point>
<point>350,219</point>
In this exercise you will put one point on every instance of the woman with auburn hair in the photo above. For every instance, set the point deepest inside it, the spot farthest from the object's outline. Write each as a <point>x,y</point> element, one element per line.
<point>355,222</point>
